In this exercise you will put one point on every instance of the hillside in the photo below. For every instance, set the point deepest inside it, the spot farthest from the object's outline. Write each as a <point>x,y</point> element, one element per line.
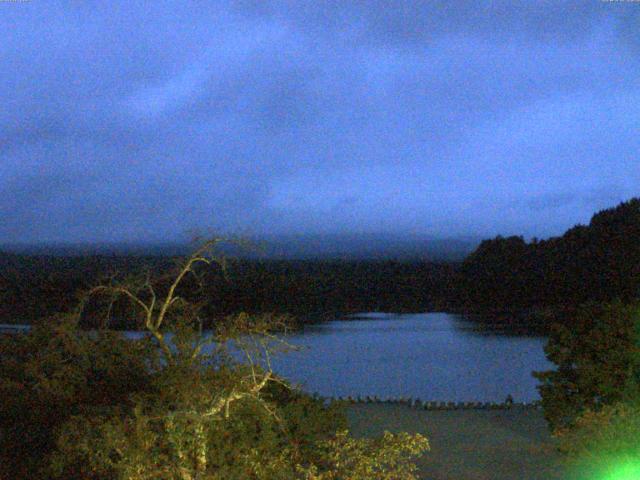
<point>595,262</point>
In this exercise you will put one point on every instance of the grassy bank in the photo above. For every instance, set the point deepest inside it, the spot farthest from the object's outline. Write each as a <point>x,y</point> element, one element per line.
<point>469,444</point>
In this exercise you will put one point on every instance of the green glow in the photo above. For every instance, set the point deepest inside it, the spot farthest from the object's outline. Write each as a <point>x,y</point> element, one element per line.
<point>620,468</point>
<point>625,471</point>
<point>624,467</point>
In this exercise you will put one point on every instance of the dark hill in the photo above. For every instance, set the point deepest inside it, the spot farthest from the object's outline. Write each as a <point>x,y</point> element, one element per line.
<point>597,262</point>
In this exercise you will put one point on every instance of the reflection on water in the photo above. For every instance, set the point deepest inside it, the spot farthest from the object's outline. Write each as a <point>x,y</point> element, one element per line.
<point>432,356</point>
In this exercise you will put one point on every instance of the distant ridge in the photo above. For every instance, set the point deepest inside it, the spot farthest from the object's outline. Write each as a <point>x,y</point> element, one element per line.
<point>84,249</point>
<point>369,246</point>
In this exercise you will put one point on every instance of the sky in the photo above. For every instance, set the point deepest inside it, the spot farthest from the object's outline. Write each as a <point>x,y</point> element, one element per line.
<point>128,121</point>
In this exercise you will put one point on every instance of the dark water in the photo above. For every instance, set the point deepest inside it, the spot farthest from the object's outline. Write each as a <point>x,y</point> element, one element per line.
<point>431,356</point>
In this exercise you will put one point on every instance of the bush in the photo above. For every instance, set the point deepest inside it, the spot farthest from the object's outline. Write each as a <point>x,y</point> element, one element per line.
<point>174,405</point>
<point>613,430</point>
<point>57,371</point>
<point>606,443</point>
<point>388,457</point>
<point>598,359</point>
<point>83,405</point>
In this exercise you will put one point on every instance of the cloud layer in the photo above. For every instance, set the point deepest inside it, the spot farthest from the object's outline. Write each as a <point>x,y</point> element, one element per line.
<point>128,122</point>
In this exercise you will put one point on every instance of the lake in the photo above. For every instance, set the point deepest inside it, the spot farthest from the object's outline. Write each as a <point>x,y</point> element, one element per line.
<point>431,356</point>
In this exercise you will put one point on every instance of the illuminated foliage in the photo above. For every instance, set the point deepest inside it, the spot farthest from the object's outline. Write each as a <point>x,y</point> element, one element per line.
<point>598,362</point>
<point>57,371</point>
<point>604,445</point>
<point>175,404</point>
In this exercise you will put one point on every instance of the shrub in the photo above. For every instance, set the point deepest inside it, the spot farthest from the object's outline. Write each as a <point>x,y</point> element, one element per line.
<point>388,457</point>
<point>57,371</point>
<point>613,430</point>
<point>597,354</point>
<point>175,404</point>
<point>604,444</point>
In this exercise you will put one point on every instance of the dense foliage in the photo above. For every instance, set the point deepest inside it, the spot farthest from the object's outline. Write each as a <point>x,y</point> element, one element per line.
<point>597,353</point>
<point>57,372</point>
<point>599,262</point>
<point>595,263</point>
<point>614,430</point>
<point>604,443</point>
<point>79,405</point>
<point>300,287</point>
<point>173,404</point>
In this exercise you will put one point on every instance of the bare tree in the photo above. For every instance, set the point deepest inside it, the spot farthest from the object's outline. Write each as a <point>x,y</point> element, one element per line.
<point>251,335</point>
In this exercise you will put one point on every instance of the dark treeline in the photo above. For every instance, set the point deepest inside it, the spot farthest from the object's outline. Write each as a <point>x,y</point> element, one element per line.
<point>36,286</point>
<point>33,287</point>
<point>301,287</point>
<point>598,263</point>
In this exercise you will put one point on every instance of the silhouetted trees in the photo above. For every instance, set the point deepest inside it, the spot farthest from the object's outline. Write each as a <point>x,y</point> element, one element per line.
<point>599,262</point>
<point>38,286</point>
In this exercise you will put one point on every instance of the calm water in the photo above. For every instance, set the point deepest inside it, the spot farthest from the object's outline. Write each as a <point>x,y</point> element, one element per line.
<point>431,356</point>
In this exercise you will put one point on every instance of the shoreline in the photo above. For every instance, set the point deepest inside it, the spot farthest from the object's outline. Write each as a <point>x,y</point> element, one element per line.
<point>418,404</point>
<point>504,444</point>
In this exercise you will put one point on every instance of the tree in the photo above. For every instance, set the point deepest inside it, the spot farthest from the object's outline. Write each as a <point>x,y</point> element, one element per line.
<point>178,404</point>
<point>604,443</point>
<point>599,262</point>
<point>597,353</point>
<point>497,274</point>
<point>55,372</point>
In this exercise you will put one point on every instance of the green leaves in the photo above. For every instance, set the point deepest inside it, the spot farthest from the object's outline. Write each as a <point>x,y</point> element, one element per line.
<point>597,358</point>
<point>95,405</point>
<point>87,407</point>
<point>55,373</point>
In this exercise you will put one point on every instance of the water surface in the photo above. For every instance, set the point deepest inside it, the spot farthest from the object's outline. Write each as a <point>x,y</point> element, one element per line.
<point>431,356</point>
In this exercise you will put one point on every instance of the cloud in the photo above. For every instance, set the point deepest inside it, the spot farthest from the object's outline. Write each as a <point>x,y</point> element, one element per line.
<point>131,122</point>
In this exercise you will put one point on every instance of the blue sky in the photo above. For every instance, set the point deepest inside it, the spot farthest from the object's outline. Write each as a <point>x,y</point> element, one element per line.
<point>144,121</point>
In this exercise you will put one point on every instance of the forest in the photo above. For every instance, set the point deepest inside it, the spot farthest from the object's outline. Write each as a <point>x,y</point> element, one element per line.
<point>586,281</point>
<point>39,285</point>
<point>598,262</point>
